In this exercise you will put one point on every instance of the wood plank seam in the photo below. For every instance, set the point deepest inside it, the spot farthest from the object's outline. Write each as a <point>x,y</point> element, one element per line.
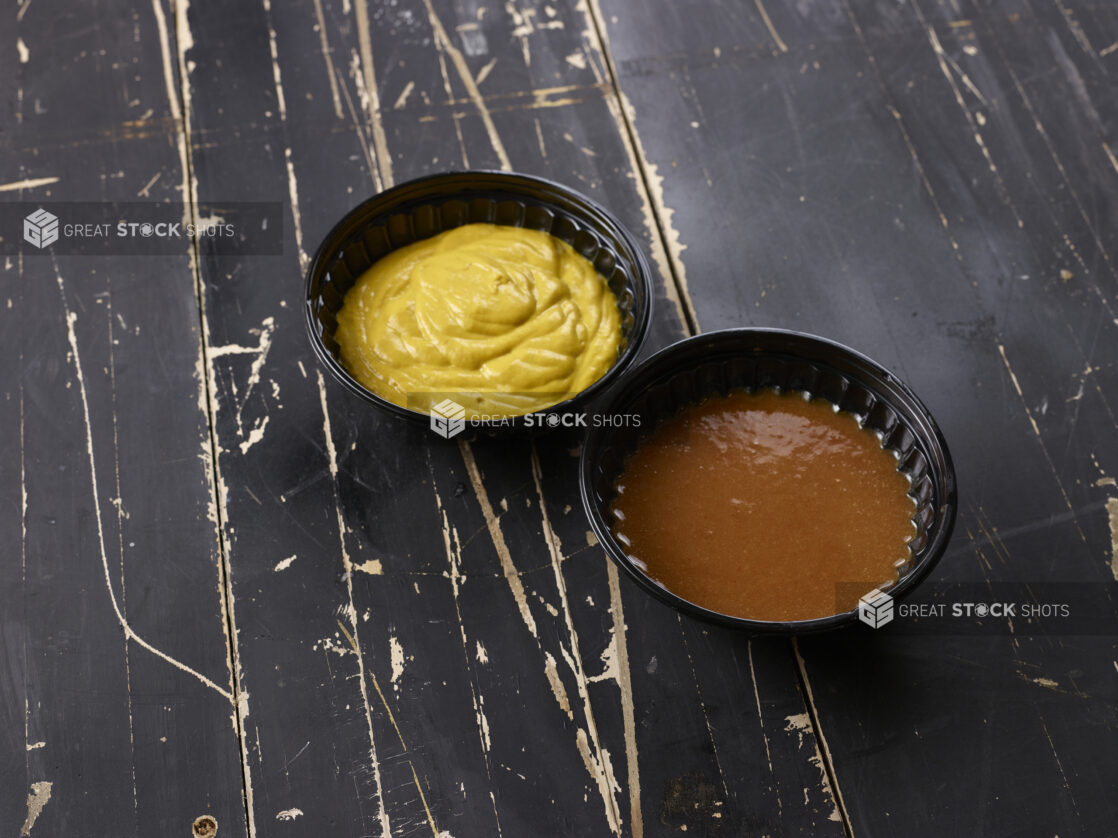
<point>629,136</point>
<point>176,93</point>
<point>817,731</point>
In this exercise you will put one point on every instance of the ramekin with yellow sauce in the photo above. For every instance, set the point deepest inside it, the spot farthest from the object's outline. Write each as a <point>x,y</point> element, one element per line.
<point>503,320</point>
<point>422,294</point>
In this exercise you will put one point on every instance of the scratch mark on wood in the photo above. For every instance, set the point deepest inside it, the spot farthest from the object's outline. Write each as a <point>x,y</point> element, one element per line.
<point>543,146</point>
<point>33,183</point>
<point>255,435</point>
<point>522,28</point>
<point>1040,439</point>
<point>454,558</point>
<point>36,800</point>
<point>143,193</point>
<point>1047,683</point>
<point>1060,167</point>
<point>402,99</point>
<point>392,716</point>
<point>1112,516</point>
<point>625,683</point>
<point>1076,30</point>
<point>324,45</point>
<point>184,41</point>
<point>600,768</point>
<point>498,538</point>
<point>281,100</point>
<point>484,72</point>
<point>601,756</point>
<point>557,687</point>
<point>362,140</point>
<point>904,131</point>
<point>351,611</point>
<point>1110,156</point>
<point>703,707</point>
<point>944,59</point>
<point>1059,766</point>
<point>371,99</point>
<point>760,714</point>
<point>129,633</point>
<point>423,799</point>
<point>830,780</point>
<point>292,186</point>
<point>121,515</point>
<point>800,723</point>
<point>445,45</point>
<point>780,45</point>
<point>461,142</point>
<point>666,246</point>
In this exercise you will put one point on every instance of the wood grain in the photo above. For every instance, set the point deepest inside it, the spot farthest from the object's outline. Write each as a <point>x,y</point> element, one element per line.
<point>116,685</point>
<point>930,184</point>
<point>445,650</point>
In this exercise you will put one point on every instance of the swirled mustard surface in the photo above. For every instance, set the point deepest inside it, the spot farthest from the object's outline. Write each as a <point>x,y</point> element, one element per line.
<point>503,320</point>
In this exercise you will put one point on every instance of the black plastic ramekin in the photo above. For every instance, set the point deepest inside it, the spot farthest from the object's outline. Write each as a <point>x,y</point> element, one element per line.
<point>422,208</point>
<point>718,363</point>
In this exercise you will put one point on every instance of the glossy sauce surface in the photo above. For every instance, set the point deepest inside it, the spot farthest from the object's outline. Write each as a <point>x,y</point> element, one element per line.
<point>765,505</point>
<point>503,320</point>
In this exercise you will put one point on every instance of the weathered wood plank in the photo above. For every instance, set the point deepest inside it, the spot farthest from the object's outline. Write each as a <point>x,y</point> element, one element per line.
<point>930,184</point>
<point>115,677</point>
<point>426,638</point>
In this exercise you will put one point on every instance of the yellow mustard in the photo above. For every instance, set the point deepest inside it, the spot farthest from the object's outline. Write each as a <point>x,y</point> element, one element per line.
<point>504,321</point>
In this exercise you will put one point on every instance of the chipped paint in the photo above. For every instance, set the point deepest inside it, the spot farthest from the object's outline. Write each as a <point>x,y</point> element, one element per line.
<point>600,757</point>
<point>289,814</point>
<point>780,45</point>
<point>33,183</point>
<point>625,684</point>
<point>402,99</point>
<point>347,566</point>
<point>1112,514</point>
<point>396,654</point>
<point>75,357</point>
<point>796,722</point>
<point>601,769</point>
<point>458,61</point>
<point>557,688</point>
<point>370,98</point>
<point>36,801</point>
<point>327,52</point>
<point>666,248</point>
<point>372,567</point>
<point>284,565</point>
<point>255,435</point>
<point>498,539</point>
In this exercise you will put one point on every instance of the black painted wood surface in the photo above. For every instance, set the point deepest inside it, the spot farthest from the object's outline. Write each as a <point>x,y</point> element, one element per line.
<point>342,625</point>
